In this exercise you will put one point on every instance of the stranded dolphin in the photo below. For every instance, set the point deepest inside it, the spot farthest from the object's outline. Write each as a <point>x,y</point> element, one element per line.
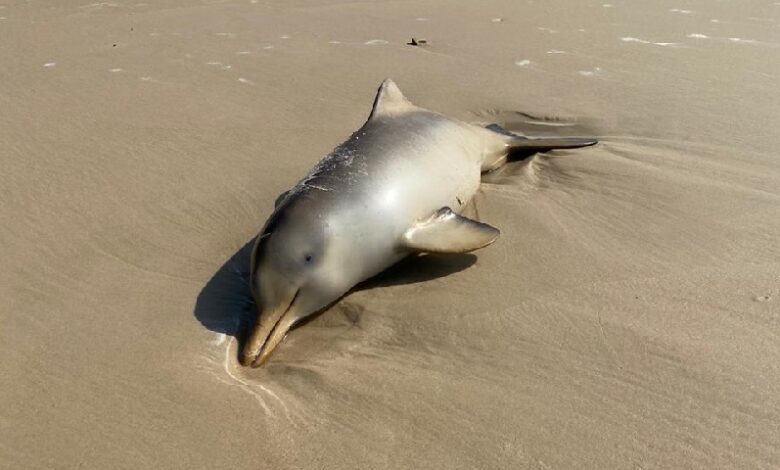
<point>394,188</point>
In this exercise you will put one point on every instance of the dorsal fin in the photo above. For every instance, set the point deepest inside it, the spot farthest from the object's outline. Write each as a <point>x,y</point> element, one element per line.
<point>390,101</point>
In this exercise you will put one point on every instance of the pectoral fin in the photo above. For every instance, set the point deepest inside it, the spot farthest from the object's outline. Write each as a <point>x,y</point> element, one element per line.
<point>448,232</point>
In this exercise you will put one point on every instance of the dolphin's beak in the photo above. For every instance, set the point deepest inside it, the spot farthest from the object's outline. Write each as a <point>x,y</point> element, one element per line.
<point>271,328</point>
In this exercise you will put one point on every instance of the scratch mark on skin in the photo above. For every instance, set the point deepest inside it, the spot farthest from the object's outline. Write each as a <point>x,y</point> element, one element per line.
<point>314,186</point>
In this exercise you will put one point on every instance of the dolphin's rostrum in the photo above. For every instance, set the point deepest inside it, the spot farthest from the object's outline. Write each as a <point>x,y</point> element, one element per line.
<point>394,188</point>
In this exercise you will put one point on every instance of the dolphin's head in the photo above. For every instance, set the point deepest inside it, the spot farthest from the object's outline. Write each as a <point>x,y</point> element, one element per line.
<point>295,272</point>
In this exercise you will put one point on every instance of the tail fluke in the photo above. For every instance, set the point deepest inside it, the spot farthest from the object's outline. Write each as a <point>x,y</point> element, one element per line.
<point>541,144</point>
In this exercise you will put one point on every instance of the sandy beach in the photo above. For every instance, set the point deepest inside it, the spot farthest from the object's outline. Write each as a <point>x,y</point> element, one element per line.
<point>628,317</point>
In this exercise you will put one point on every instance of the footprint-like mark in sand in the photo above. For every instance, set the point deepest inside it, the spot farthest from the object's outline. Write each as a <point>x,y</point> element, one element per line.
<point>746,41</point>
<point>98,6</point>
<point>353,312</point>
<point>733,40</point>
<point>644,41</point>
<point>375,42</point>
<point>523,63</point>
<point>349,311</point>
<point>594,72</point>
<point>630,39</point>
<point>50,64</point>
<point>220,65</point>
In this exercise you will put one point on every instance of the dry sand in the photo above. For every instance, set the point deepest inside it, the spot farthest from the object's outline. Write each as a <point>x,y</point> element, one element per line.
<point>629,317</point>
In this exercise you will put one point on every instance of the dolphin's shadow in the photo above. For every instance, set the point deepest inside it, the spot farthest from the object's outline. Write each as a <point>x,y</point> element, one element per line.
<point>225,303</point>
<point>420,268</point>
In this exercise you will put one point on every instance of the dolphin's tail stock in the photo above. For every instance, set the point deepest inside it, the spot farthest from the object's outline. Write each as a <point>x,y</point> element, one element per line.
<point>523,144</point>
<point>513,146</point>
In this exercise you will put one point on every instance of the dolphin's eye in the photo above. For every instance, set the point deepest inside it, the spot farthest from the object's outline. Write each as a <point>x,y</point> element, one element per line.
<point>308,258</point>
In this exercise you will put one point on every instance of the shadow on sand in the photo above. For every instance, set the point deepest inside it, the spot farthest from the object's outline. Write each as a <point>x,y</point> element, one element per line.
<point>225,303</point>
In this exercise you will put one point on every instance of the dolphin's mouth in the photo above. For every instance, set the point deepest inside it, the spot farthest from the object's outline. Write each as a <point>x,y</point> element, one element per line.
<point>257,354</point>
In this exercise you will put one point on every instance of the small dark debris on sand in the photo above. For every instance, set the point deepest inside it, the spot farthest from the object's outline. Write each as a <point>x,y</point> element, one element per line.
<point>417,42</point>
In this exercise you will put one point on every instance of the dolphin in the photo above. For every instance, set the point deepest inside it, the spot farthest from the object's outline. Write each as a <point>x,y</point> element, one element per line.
<point>396,187</point>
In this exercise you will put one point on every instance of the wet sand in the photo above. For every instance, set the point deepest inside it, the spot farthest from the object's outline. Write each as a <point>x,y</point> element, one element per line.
<point>628,317</point>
